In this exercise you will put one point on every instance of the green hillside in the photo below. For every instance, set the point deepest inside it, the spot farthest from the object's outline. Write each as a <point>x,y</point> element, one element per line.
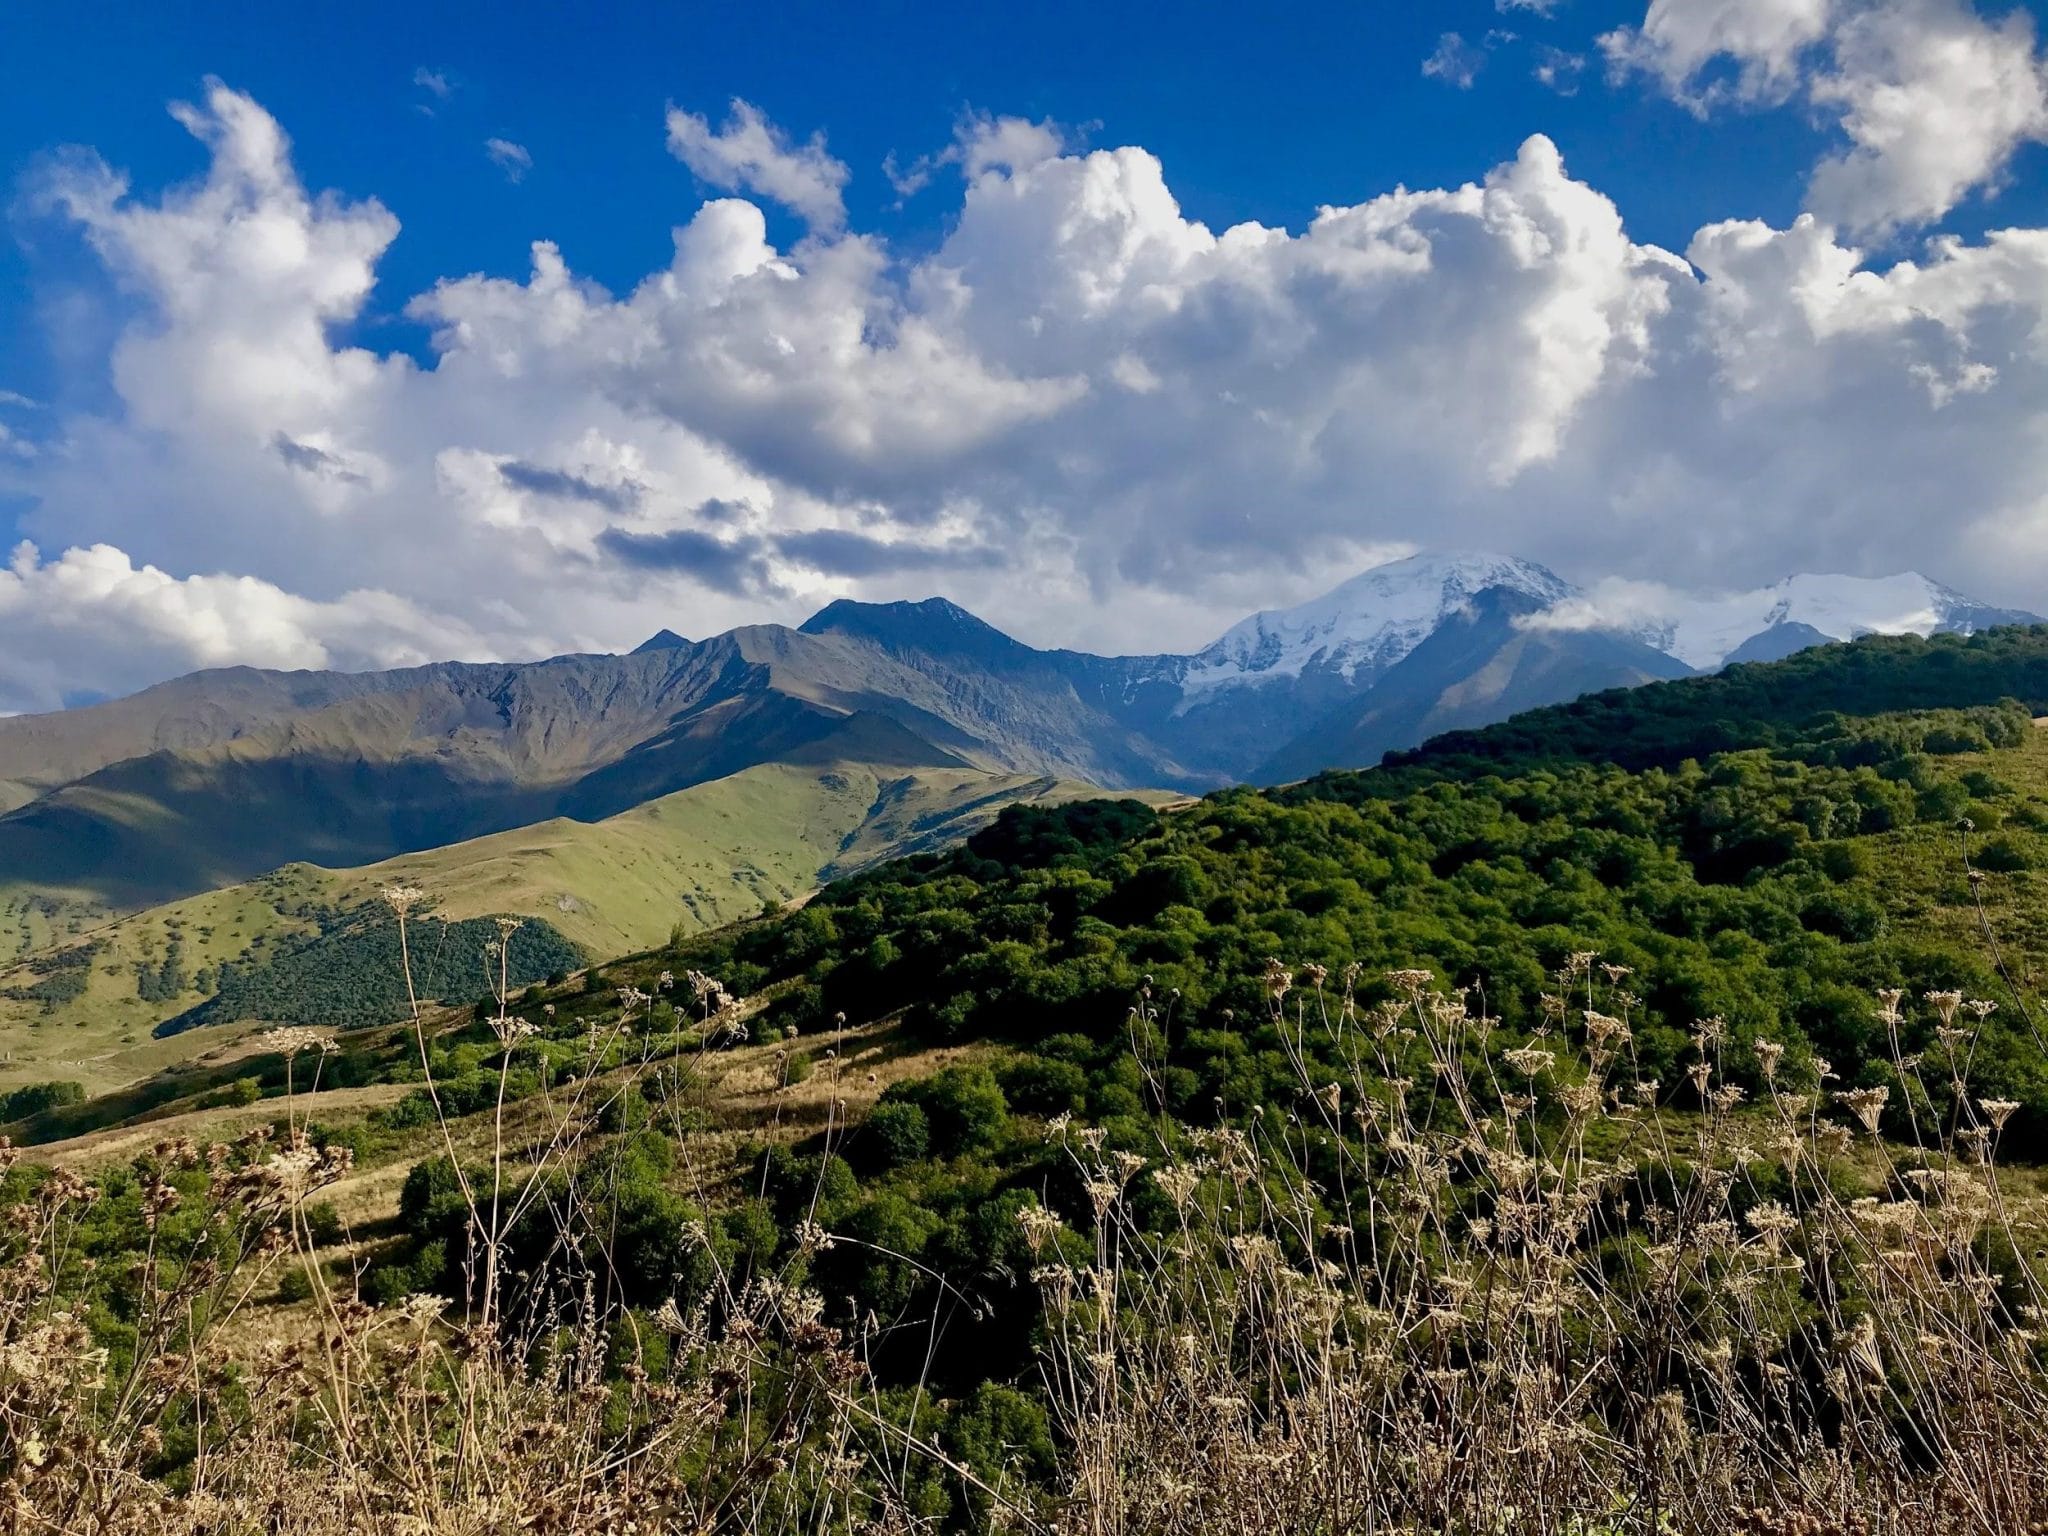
<point>1774,888</point>
<point>1238,1082</point>
<point>695,859</point>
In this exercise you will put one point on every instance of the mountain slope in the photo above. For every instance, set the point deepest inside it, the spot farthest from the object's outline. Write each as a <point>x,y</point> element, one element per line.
<point>706,855</point>
<point>1481,664</point>
<point>1807,696</point>
<point>215,778</point>
<point>1367,625</point>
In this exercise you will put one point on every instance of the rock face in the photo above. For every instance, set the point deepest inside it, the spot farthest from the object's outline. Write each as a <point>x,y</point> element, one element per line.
<point>217,776</point>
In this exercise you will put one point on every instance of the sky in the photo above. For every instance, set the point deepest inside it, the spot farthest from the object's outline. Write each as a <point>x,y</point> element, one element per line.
<point>362,338</point>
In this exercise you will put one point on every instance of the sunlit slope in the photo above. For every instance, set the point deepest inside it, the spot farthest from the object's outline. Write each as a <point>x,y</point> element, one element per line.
<point>710,854</point>
<point>700,857</point>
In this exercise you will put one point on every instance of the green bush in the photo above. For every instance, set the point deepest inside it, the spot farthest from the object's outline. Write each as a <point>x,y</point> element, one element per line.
<point>34,1098</point>
<point>964,1107</point>
<point>2006,853</point>
<point>900,1132</point>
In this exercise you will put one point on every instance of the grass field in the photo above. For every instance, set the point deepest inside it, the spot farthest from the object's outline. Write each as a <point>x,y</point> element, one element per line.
<point>1921,873</point>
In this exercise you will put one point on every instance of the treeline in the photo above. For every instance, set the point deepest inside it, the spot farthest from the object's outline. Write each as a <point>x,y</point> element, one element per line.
<point>60,977</point>
<point>1798,704</point>
<point>34,1098</point>
<point>352,972</point>
<point>1748,888</point>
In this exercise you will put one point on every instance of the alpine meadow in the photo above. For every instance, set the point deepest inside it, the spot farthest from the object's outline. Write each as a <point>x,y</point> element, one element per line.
<point>775,772</point>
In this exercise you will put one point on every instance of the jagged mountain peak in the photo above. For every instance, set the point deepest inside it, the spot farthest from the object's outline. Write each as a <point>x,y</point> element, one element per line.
<point>1368,623</point>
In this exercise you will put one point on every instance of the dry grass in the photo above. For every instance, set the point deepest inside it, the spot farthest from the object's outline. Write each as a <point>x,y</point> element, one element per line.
<point>1463,1284</point>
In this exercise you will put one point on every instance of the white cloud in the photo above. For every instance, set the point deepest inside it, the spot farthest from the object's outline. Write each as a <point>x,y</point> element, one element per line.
<point>1765,40</point>
<point>1559,70</point>
<point>1455,61</point>
<point>93,617</point>
<point>1934,100</point>
<point>751,154</point>
<point>1932,97</point>
<point>1084,414</point>
<point>982,143</point>
<point>513,159</point>
<point>434,82</point>
<point>1543,8</point>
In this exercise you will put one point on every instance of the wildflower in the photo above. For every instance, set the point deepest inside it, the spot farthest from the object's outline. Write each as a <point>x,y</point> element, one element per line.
<point>1945,1004</point>
<point>420,1309</point>
<point>1579,1099</point>
<point>1528,1060</point>
<point>1178,1182</point>
<point>1770,1218</point>
<point>1866,1104</point>
<point>1601,1028</point>
<point>1998,1111</point>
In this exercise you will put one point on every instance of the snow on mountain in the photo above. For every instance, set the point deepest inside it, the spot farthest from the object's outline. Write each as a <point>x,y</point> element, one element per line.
<point>1367,624</point>
<point>1707,631</point>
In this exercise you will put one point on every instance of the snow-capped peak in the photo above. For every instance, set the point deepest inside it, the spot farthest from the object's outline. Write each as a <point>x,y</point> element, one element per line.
<point>1708,631</point>
<point>1361,628</point>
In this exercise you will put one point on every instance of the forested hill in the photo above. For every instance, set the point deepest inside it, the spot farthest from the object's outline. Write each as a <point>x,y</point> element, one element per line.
<point>1772,887</point>
<point>1801,702</point>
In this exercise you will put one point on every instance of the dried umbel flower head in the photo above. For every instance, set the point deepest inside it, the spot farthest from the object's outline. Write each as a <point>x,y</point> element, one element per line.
<point>1278,979</point>
<point>1040,1227</point>
<point>402,898</point>
<point>1866,1104</point>
<point>1529,1060</point>
<point>1603,1029</point>
<point>1998,1111</point>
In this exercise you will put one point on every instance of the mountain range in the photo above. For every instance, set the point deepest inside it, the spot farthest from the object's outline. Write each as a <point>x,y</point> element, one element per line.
<point>211,779</point>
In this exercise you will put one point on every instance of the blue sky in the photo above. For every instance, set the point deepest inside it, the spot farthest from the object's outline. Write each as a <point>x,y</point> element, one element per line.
<point>955,460</point>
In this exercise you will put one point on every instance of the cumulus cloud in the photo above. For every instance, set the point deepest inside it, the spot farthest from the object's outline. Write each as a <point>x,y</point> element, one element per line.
<point>1934,100</point>
<point>94,620</point>
<point>1082,413</point>
<point>751,154</point>
<point>982,143</point>
<point>1931,97</point>
<point>1764,41</point>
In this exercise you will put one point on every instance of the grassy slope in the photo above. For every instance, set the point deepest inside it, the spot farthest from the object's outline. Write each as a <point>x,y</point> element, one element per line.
<point>1920,870</point>
<point>703,856</point>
